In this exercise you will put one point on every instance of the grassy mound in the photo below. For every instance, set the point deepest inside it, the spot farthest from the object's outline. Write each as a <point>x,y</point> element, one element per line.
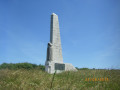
<point>36,79</point>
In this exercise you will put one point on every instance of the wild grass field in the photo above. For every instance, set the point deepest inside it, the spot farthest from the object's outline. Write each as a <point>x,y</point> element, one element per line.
<point>35,79</point>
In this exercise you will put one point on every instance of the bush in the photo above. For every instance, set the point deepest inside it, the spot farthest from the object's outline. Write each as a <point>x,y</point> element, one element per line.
<point>21,66</point>
<point>84,68</point>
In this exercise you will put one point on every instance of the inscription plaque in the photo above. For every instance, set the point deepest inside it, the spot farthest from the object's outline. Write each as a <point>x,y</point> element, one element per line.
<point>59,66</point>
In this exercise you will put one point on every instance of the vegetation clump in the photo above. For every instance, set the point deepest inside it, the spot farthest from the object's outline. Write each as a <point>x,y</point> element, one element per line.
<point>26,76</point>
<point>21,66</point>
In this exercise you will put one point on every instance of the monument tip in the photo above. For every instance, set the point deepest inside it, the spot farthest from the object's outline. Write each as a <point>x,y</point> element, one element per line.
<point>54,14</point>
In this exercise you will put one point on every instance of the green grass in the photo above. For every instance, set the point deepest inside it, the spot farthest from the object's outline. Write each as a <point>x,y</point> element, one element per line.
<point>35,79</point>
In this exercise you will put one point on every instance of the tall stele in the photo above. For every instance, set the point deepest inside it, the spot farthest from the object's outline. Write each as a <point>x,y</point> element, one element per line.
<point>54,59</point>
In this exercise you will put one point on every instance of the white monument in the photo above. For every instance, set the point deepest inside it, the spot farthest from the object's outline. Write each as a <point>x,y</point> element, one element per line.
<point>54,60</point>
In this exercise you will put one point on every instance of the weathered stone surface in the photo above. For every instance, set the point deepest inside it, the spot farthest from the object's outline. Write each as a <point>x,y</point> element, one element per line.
<point>55,39</point>
<point>54,60</point>
<point>49,52</point>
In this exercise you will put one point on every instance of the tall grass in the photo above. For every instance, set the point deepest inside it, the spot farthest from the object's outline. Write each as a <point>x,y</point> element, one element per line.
<point>52,80</point>
<point>35,79</point>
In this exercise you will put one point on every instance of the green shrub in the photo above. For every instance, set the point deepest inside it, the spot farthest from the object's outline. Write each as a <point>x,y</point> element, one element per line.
<point>21,66</point>
<point>82,68</point>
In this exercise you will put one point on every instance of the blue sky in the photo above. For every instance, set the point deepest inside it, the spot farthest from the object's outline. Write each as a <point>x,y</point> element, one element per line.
<point>89,29</point>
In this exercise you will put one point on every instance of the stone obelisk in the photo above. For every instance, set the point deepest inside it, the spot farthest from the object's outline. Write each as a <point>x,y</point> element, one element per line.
<point>55,39</point>
<point>54,60</point>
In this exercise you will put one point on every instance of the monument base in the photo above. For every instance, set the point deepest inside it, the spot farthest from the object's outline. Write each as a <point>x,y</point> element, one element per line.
<point>51,67</point>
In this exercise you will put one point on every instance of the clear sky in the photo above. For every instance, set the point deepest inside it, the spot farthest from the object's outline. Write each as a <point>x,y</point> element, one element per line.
<point>89,29</point>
